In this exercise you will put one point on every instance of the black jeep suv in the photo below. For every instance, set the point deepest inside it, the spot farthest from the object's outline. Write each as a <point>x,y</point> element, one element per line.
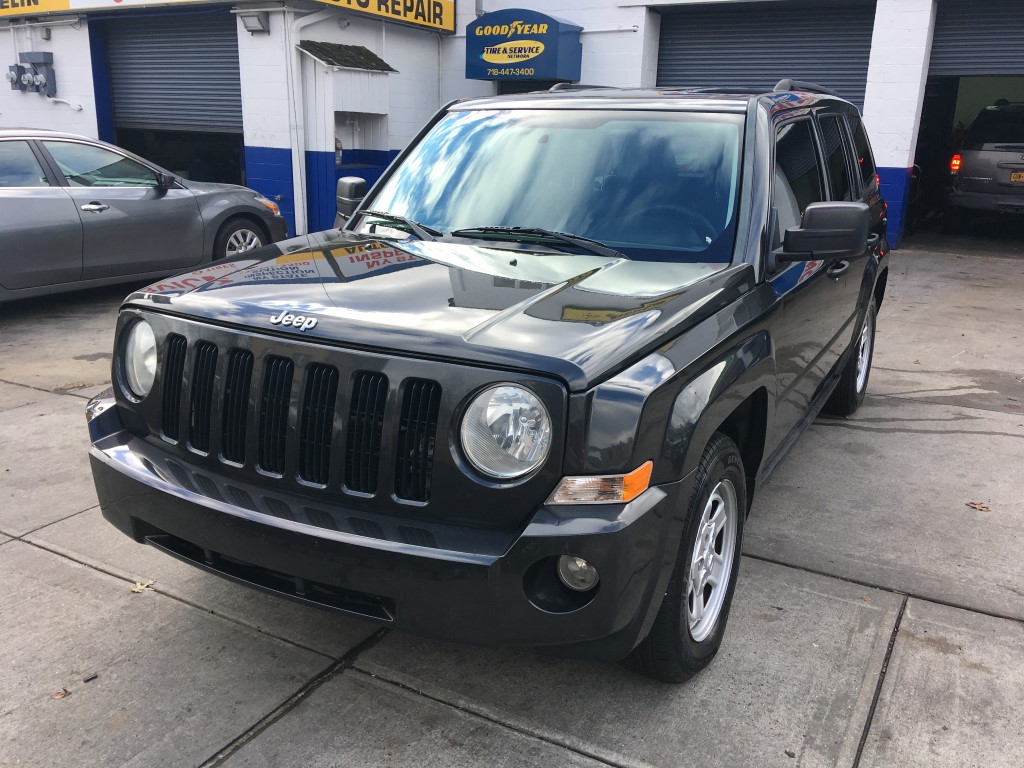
<point>525,394</point>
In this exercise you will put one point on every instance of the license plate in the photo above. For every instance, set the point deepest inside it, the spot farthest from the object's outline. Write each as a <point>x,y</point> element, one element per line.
<point>1017,176</point>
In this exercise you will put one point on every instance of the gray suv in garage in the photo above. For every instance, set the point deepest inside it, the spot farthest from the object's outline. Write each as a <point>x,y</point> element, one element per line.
<point>987,174</point>
<point>76,212</point>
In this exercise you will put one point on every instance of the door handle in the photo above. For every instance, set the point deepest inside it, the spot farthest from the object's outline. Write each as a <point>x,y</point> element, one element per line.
<point>95,207</point>
<point>838,269</point>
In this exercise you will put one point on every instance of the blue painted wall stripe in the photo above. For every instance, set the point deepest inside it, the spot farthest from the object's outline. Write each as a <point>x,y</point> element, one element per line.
<point>101,81</point>
<point>268,170</point>
<point>895,186</point>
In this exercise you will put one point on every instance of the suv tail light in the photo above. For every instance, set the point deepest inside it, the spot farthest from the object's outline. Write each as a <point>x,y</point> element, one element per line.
<point>954,164</point>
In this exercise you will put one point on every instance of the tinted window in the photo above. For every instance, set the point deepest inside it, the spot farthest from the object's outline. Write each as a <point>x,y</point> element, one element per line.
<point>84,165</point>
<point>797,175</point>
<point>863,149</point>
<point>19,167</point>
<point>656,186</point>
<point>835,155</point>
<point>995,126</point>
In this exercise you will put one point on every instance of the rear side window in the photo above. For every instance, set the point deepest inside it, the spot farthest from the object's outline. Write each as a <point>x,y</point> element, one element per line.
<point>995,126</point>
<point>863,150</point>
<point>797,179</point>
<point>19,167</point>
<point>835,155</point>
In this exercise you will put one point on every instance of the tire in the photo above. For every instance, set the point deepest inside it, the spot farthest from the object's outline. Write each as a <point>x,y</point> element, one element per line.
<point>677,647</point>
<point>853,382</point>
<point>238,236</point>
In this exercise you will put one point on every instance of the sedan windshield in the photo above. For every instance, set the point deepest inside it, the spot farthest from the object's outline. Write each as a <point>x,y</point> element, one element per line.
<point>656,186</point>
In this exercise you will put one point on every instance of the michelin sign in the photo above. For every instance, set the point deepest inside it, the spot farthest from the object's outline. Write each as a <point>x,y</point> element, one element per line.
<point>517,44</point>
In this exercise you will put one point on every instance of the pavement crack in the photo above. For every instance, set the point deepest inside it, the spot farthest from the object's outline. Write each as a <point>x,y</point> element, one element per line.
<point>481,715</point>
<point>59,552</point>
<point>58,520</point>
<point>905,431</point>
<point>883,588</point>
<point>880,683</point>
<point>345,662</point>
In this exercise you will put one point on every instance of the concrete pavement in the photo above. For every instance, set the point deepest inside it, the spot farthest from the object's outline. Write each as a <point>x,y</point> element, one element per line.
<point>879,620</point>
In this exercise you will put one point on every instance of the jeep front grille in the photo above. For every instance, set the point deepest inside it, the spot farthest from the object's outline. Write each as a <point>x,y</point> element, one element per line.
<point>294,410</point>
<point>366,427</point>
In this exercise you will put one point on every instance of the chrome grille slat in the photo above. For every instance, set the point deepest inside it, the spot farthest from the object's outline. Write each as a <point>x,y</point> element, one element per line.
<point>171,376</point>
<point>417,430</point>
<point>234,425</point>
<point>204,373</point>
<point>318,405</point>
<point>274,407</point>
<point>365,430</point>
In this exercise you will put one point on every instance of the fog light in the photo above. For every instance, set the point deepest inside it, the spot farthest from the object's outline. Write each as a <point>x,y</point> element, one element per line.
<point>576,573</point>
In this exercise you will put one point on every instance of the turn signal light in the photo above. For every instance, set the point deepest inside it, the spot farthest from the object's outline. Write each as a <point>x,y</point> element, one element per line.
<point>603,489</point>
<point>954,164</point>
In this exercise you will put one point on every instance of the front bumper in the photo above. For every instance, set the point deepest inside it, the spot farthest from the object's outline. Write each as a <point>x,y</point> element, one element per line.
<point>487,591</point>
<point>278,228</point>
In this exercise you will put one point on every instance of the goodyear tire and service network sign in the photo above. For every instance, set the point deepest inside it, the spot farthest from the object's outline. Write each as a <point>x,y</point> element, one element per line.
<point>436,15</point>
<point>522,45</point>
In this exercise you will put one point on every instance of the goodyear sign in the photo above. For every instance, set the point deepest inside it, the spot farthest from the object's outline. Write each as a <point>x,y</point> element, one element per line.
<point>517,44</point>
<point>37,7</point>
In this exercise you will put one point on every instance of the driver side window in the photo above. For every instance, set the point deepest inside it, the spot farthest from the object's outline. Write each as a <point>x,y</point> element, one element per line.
<point>797,177</point>
<point>85,165</point>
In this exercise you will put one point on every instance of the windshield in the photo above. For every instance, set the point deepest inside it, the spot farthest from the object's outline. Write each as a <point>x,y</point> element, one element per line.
<point>655,186</point>
<point>995,126</point>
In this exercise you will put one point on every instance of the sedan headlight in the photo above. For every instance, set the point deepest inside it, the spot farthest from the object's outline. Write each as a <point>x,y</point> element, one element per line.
<point>506,432</point>
<point>140,359</point>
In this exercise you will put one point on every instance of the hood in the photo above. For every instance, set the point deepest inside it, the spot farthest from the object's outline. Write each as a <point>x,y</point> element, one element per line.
<point>206,187</point>
<point>580,318</point>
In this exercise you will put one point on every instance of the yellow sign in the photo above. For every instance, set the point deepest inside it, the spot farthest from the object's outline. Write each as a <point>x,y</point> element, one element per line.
<point>513,51</point>
<point>36,7</point>
<point>438,15</point>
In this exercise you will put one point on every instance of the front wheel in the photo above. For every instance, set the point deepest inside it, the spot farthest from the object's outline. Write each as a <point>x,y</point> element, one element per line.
<point>690,625</point>
<point>237,237</point>
<point>853,381</point>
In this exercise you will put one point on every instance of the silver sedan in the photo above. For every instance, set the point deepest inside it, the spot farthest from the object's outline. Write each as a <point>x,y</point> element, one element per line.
<point>76,213</point>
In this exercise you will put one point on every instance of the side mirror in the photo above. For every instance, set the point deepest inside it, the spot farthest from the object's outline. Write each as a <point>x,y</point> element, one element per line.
<point>351,191</point>
<point>829,231</point>
<point>164,181</point>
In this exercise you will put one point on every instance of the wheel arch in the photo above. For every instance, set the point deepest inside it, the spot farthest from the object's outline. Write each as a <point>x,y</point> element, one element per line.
<point>880,284</point>
<point>733,396</point>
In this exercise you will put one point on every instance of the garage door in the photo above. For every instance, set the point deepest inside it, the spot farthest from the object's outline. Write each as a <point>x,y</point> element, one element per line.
<point>973,38</point>
<point>176,73</point>
<point>758,44</point>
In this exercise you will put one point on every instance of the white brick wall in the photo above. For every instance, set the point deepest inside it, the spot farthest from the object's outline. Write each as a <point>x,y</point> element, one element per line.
<point>263,69</point>
<point>73,66</point>
<point>900,50</point>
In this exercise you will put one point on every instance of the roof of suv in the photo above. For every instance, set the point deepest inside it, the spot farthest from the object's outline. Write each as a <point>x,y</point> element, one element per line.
<point>712,99</point>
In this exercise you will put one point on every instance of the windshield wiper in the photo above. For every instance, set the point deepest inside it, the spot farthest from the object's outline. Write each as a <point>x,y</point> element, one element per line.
<point>423,233</point>
<point>513,233</point>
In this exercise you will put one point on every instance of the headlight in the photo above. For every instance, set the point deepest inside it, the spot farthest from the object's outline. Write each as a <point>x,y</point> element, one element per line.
<point>506,432</point>
<point>268,203</point>
<point>140,359</point>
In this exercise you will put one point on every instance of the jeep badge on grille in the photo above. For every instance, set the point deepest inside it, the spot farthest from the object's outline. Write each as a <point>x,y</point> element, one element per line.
<point>301,322</point>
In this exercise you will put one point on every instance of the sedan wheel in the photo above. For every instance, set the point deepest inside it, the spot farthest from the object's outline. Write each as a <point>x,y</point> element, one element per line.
<point>242,240</point>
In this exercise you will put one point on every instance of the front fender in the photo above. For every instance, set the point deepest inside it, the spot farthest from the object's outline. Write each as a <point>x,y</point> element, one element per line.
<point>708,400</point>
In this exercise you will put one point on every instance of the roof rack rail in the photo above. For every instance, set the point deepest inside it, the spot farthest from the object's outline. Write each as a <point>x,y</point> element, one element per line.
<point>576,87</point>
<point>787,84</point>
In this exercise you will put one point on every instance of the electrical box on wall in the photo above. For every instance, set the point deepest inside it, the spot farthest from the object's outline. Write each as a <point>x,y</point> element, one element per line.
<point>34,73</point>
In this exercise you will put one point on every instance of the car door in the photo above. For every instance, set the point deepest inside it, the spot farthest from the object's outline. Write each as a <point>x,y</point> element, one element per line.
<point>843,187</point>
<point>813,305</point>
<point>130,224</point>
<point>40,232</point>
